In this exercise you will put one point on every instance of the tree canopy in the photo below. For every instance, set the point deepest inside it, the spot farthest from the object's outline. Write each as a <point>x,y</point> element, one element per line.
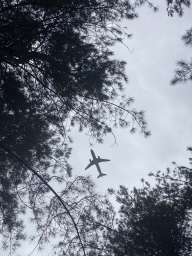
<point>155,220</point>
<point>57,70</point>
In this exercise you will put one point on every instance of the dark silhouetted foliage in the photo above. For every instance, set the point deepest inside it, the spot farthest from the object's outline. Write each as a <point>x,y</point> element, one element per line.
<point>177,6</point>
<point>56,71</point>
<point>155,220</point>
<point>184,72</point>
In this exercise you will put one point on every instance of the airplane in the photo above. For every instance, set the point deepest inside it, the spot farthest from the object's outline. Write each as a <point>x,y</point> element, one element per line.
<point>96,161</point>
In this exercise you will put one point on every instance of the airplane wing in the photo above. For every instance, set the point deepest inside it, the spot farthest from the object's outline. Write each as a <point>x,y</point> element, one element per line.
<point>103,160</point>
<point>89,165</point>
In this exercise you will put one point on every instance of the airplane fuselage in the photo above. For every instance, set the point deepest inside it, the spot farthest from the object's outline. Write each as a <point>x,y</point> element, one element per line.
<point>98,168</point>
<point>96,161</point>
<point>93,154</point>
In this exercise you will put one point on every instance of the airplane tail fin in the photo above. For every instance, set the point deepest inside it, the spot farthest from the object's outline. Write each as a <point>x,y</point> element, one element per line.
<point>101,175</point>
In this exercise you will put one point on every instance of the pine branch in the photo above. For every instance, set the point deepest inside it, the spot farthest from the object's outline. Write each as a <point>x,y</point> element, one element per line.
<point>57,196</point>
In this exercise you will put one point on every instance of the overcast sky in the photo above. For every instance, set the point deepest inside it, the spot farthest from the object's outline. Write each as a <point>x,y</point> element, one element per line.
<point>156,47</point>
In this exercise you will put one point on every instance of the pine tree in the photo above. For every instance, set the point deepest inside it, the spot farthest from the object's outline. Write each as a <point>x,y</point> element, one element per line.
<point>155,220</point>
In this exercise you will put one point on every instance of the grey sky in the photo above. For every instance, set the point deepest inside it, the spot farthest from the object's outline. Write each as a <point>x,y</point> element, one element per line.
<point>156,47</point>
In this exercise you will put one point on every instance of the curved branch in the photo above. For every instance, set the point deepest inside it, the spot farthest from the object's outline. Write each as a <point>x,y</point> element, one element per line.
<point>52,190</point>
